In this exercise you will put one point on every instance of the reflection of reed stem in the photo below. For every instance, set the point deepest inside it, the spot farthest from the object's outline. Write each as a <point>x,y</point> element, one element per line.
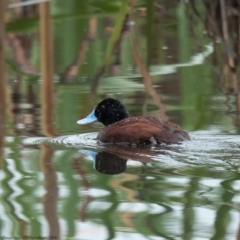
<point>226,34</point>
<point>73,69</point>
<point>116,36</point>
<point>87,199</point>
<point>238,232</point>
<point>51,196</point>
<point>2,80</point>
<point>147,79</point>
<point>47,70</point>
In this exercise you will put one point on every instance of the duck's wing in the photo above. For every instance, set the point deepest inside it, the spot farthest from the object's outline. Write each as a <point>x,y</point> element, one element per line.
<point>168,127</point>
<point>142,130</point>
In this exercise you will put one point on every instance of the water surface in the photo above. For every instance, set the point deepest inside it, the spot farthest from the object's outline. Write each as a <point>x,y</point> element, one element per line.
<point>58,182</point>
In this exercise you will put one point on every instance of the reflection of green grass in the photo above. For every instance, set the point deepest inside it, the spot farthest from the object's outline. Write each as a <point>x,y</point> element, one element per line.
<point>23,25</point>
<point>153,187</point>
<point>97,8</point>
<point>19,190</point>
<point>68,207</point>
<point>107,6</point>
<point>196,85</point>
<point>14,68</point>
<point>117,30</point>
<point>70,24</point>
<point>31,25</point>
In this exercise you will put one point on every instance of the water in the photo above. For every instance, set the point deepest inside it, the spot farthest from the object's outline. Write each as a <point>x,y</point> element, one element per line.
<point>71,186</point>
<point>58,182</point>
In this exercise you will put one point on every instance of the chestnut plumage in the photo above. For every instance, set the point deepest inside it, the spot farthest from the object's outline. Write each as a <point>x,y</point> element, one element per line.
<point>122,129</point>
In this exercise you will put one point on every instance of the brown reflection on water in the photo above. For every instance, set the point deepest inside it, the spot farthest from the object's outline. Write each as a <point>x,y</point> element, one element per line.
<point>119,184</point>
<point>50,199</point>
<point>19,46</point>
<point>3,86</point>
<point>124,152</point>
<point>47,86</point>
<point>126,217</point>
<point>25,110</point>
<point>85,202</point>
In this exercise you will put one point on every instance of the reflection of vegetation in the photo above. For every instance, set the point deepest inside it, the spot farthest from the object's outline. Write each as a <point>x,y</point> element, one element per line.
<point>15,70</point>
<point>221,22</point>
<point>27,25</point>
<point>88,35</point>
<point>147,199</point>
<point>63,12</point>
<point>81,54</point>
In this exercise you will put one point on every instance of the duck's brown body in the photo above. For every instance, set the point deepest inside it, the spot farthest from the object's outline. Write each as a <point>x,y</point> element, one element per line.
<point>120,128</point>
<point>143,130</point>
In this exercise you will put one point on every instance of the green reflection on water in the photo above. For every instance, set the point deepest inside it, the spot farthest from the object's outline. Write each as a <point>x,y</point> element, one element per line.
<point>174,192</point>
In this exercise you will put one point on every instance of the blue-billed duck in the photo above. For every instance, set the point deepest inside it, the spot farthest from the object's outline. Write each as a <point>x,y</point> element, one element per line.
<point>120,128</point>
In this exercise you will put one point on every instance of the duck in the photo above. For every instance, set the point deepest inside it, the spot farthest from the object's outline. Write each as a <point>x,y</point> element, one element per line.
<point>120,128</point>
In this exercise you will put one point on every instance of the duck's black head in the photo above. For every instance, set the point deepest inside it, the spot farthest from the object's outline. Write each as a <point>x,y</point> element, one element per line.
<point>107,112</point>
<point>110,111</point>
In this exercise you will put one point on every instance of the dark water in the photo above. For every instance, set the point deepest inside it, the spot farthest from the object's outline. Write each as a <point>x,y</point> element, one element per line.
<point>57,182</point>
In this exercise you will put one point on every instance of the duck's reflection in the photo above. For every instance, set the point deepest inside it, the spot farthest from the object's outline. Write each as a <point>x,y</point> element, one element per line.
<point>109,163</point>
<point>113,159</point>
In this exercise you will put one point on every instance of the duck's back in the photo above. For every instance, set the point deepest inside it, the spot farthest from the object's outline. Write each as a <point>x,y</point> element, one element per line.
<point>143,130</point>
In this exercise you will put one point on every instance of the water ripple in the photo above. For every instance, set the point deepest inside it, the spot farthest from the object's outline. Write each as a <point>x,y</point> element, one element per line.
<point>206,148</point>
